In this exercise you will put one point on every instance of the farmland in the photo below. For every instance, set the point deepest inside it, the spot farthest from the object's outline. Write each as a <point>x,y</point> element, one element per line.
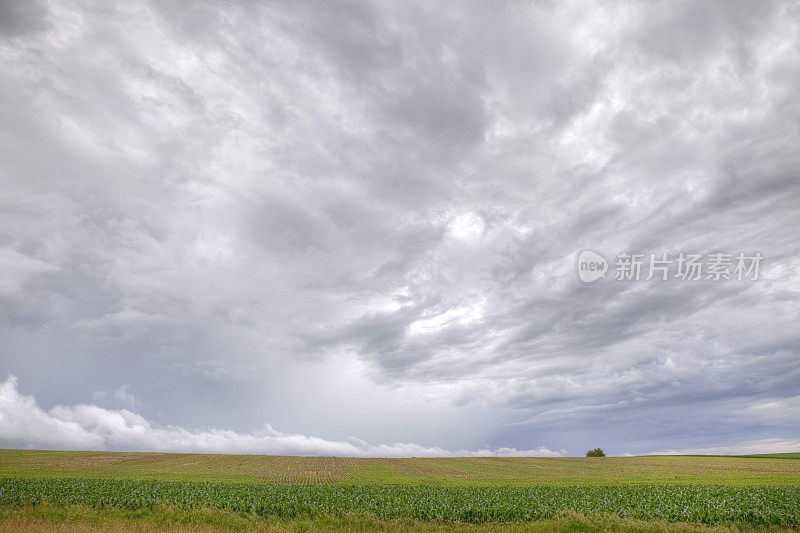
<point>454,492</point>
<point>669,469</point>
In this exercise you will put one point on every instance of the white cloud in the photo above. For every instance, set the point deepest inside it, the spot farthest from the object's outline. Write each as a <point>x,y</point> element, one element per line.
<point>742,448</point>
<point>24,424</point>
<point>466,226</point>
<point>120,396</point>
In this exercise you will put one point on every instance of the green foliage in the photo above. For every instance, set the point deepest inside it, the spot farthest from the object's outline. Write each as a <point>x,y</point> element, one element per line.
<point>207,520</point>
<point>708,504</point>
<point>597,452</point>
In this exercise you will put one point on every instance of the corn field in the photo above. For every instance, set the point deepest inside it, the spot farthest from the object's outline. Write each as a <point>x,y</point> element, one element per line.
<point>701,504</point>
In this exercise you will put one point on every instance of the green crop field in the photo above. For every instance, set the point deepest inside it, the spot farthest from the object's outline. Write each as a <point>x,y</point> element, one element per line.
<point>669,469</point>
<point>249,492</point>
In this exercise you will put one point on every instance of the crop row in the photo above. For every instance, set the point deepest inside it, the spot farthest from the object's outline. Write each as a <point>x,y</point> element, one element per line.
<point>706,504</point>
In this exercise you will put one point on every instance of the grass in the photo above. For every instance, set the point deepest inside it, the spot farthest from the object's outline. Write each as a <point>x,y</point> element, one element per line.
<point>773,455</point>
<point>91,491</point>
<point>74,519</point>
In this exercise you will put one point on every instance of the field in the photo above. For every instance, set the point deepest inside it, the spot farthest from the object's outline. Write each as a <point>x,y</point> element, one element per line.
<point>41,490</point>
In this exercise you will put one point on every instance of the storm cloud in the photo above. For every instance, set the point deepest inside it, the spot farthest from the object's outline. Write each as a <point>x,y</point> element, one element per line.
<point>364,219</point>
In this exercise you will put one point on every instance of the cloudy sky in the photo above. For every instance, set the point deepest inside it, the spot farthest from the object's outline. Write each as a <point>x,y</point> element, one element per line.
<point>352,228</point>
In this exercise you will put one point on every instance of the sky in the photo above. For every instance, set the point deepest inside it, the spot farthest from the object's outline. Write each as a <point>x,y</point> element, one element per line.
<point>353,228</point>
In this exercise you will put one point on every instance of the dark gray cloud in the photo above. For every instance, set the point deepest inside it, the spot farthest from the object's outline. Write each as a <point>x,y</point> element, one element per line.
<point>364,219</point>
<point>19,18</point>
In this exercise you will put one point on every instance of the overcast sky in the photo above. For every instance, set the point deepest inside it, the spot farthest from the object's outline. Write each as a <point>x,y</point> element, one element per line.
<point>352,228</point>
